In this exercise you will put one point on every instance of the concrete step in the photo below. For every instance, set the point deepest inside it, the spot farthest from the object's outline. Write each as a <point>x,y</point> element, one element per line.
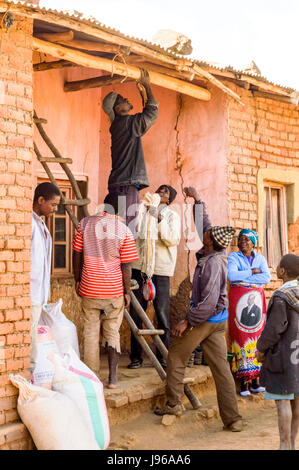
<point>141,390</point>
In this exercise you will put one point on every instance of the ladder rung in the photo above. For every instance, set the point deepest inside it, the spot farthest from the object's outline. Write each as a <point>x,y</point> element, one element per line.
<point>150,332</point>
<point>188,380</point>
<point>76,202</point>
<point>55,160</point>
<point>40,121</point>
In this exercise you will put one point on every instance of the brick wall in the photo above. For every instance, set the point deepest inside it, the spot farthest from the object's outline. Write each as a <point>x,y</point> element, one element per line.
<point>16,146</point>
<point>263,135</point>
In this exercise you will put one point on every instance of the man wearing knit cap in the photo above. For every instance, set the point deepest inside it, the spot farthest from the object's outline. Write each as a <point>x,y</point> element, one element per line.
<point>128,175</point>
<point>205,324</point>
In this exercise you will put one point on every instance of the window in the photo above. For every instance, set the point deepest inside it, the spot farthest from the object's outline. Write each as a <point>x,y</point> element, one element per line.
<point>275,223</point>
<point>63,231</point>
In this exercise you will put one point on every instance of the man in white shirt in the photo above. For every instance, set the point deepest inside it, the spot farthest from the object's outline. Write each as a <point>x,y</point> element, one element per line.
<point>45,203</point>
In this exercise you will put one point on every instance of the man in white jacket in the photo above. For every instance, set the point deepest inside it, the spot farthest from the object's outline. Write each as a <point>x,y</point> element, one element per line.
<point>45,203</point>
<point>168,237</point>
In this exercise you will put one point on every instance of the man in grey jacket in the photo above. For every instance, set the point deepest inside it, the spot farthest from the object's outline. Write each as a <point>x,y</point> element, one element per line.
<point>205,324</point>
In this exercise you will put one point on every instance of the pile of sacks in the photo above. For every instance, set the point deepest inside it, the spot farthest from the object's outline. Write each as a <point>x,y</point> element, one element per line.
<point>64,406</point>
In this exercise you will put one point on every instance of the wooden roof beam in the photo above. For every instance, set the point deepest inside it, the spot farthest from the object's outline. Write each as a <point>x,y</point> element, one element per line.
<point>95,31</point>
<point>114,67</point>
<point>95,82</point>
<point>56,64</point>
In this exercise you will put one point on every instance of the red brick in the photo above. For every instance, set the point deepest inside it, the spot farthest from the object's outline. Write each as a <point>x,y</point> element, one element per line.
<point>6,229</point>
<point>6,328</point>
<point>23,204</point>
<point>6,303</point>
<point>16,191</point>
<point>15,115</point>
<point>24,154</point>
<point>14,141</point>
<point>15,339</point>
<point>6,279</point>
<point>15,167</point>
<point>23,301</point>
<point>22,351</point>
<point>9,353</point>
<point>7,179</point>
<point>22,279</point>
<point>14,291</point>
<point>12,244</point>
<point>13,315</point>
<point>22,325</point>
<point>19,255</point>
<point>14,267</point>
<point>24,180</point>
<point>26,313</point>
<point>25,104</point>
<point>8,127</point>
<point>25,78</point>
<point>24,129</point>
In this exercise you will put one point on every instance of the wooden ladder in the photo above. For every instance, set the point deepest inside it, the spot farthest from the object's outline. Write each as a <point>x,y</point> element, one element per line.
<point>151,331</point>
<point>79,201</point>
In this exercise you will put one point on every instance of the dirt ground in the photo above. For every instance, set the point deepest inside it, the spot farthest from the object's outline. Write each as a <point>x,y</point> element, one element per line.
<point>202,429</point>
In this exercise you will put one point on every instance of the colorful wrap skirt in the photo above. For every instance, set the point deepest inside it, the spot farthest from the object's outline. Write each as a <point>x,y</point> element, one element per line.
<point>247,318</point>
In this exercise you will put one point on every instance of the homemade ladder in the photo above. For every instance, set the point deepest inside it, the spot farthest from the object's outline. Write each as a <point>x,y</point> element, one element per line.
<point>79,201</point>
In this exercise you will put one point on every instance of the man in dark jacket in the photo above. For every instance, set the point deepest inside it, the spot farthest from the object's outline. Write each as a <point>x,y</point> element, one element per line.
<point>128,175</point>
<point>251,314</point>
<point>205,324</point>
<point>278,350</point>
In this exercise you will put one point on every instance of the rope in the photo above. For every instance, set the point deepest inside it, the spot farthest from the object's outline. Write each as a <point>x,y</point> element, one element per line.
<point>2,25</point>
<point>121,56</point>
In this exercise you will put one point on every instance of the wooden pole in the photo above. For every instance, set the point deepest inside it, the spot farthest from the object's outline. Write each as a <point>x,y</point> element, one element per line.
<point>145,346</point>
<point>113,67</point>
<point>56,37</point>
<point>96,47</point>
<point>93,83</point>
<point>57,64</point>
<point>52,179</point>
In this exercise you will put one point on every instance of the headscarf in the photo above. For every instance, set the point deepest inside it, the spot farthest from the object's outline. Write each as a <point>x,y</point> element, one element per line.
<point>223,235</point>
<point>252,234</point>
<point>108,104</point>
<point>172,192</point>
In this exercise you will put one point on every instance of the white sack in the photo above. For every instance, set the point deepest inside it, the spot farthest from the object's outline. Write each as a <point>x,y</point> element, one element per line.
<point>53,420</point>
<point>76,381</point>
<point>44,368</point>
<point>64,331</point>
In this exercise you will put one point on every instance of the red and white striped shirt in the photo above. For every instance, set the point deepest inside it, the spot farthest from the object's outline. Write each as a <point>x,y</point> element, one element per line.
<point>106,242</point>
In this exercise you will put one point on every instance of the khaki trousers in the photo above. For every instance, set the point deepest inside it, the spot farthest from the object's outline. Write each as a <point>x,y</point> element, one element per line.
<point>36,311</point>
<point>112,315</point>
<point>211,338</point>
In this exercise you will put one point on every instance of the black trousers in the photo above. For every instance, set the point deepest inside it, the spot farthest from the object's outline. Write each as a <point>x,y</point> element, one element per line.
<point>161,306</point>
<point>128,203</point>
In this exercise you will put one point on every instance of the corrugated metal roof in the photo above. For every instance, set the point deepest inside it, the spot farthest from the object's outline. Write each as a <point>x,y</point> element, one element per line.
<point>88,19</point>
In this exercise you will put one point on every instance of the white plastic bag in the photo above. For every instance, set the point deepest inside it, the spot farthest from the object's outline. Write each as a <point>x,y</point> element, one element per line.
<point>64,331</point>
<point>43,372</point>
<point>53,420</point>
<point>75,380</point>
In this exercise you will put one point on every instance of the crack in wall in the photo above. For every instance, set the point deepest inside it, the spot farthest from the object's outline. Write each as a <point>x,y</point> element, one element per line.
<point>179,168</point>
<point>180,303</point>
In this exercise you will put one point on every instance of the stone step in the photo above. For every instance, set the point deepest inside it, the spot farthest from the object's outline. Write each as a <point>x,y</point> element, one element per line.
<point>141,390</point>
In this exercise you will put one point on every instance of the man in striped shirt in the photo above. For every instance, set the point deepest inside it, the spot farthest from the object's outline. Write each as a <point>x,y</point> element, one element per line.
<point>103,250</point>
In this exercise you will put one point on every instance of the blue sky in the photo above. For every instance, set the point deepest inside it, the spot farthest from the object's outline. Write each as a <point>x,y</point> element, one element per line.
<point>231,32</point>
